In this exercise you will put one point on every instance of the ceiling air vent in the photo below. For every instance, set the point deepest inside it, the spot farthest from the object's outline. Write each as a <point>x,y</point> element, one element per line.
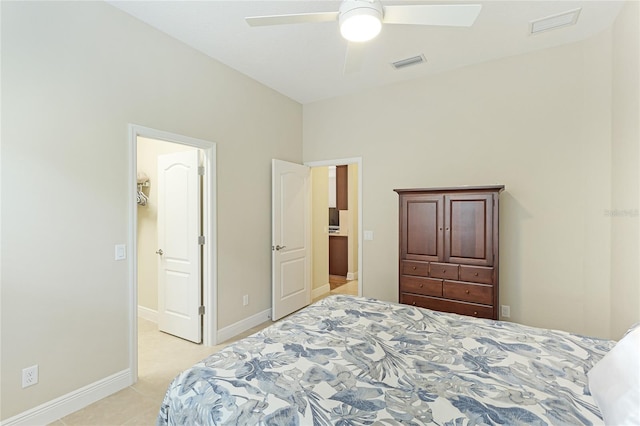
<point>563,19</point>
<point>403,63</point>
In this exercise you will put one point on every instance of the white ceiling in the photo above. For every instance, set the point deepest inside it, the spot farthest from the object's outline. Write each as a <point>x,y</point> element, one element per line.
<point>305,61</point>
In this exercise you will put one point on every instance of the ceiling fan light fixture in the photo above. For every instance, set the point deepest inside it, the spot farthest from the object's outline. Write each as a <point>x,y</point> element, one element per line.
<point>360,20</point>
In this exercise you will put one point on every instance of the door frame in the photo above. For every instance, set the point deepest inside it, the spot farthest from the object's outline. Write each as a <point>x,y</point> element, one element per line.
<point>341,162</point>
<point>209,230</point>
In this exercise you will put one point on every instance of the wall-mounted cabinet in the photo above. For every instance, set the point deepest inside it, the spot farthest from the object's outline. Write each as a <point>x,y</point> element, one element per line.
<point>342,187</point>
<point>339,187</point>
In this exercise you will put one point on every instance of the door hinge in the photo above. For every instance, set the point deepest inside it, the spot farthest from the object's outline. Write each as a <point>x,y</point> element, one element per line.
<point>201,310</point>
<point>201,240</point>
<point>201,170</point>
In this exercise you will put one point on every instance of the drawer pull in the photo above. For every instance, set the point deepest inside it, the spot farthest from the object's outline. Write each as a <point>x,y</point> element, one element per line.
<point>414,268</point>
<point>414,303</point>
<point>466,291</point>
<point>475,312</point>
<point>444,270</point>
<point>421,285</point>
<point>475,275</point>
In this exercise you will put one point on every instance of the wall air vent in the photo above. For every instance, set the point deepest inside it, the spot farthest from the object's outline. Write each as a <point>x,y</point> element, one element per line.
<point>403,63</point>
<point>563,19</point>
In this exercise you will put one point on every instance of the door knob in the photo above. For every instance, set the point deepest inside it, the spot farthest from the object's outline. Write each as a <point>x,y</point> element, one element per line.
<point>160,252</point>
<point>279,247</point>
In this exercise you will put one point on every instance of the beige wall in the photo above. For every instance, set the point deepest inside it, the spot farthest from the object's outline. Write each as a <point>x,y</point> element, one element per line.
<point>538,123</point>
<point>74,75</point>
<point>625,202</point>
<point>549,125</point>
<point>320,222</point>
<point>353,219</point>
<point>148,151</point>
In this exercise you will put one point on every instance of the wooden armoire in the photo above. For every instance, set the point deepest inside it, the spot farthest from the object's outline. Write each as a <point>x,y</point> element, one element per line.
<point>449,249</point>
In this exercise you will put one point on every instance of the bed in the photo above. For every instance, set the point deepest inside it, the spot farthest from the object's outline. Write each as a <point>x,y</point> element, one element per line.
<point>358,361</point>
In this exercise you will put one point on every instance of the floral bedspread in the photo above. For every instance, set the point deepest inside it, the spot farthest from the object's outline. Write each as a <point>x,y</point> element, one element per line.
<point>356,361</point>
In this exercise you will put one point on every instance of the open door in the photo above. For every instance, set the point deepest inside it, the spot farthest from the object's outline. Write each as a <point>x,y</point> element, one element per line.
<point>179,253</point>
<point>291,238</point>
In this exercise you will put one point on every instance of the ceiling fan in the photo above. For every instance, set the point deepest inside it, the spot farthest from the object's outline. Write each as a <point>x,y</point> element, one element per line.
<point>362,20</point>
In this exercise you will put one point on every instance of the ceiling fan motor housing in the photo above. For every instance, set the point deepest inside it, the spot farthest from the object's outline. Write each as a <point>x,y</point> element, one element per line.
<point>360,20</point>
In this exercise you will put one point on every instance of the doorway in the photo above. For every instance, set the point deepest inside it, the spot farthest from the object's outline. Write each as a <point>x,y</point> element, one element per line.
<point>336,228</point>
<point>169,226</point>
<point>142,294</point>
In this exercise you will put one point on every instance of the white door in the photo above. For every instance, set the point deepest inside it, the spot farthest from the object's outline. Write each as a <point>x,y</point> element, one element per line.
<point>179,272</point>
<point>291,238</point>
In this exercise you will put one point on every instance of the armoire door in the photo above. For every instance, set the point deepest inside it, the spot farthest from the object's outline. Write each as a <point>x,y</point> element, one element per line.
<point>422,223</point>
<point>469,229</point>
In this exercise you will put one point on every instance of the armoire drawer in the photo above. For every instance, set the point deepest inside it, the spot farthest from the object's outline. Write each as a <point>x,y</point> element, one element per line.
<point>448,271</point>
<point>444,305</point>
<point>420,285</point>
<point>411,267</point>
<point>476,274</point>
<point>476,293</point>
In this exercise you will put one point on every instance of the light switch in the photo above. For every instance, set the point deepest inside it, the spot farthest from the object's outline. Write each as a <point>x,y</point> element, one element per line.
<point>121,251</point>
<point>368,235</point>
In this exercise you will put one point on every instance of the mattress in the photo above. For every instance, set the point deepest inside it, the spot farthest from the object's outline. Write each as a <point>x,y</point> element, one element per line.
<point>357,361</point>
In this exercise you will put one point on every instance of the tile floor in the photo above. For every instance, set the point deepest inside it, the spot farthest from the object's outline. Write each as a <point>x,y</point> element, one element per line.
<point>351,287</point>
<point>160,358</point>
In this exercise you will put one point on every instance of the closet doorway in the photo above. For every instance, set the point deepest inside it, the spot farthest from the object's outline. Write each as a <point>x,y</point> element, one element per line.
<point>169,227</point>
<point>172,237</point>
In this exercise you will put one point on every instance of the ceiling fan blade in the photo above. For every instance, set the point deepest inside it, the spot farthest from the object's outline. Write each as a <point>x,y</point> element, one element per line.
<point>302,18</point>
<point>453,15</point>
<point>354,57</point>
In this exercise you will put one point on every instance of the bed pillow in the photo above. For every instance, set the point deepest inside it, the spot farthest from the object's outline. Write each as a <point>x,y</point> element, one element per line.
<point>614,381</point>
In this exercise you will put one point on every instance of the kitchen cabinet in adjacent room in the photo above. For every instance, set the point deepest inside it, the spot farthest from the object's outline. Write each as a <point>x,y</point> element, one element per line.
<point>342,187</point>
<point>338,255</point>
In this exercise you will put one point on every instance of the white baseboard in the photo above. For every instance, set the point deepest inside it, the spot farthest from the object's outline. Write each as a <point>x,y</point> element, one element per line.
<point>60,407</point>
<point>233,330</point>
<point>320,291</point>
<point>352,276</point>
<point>148,314</point>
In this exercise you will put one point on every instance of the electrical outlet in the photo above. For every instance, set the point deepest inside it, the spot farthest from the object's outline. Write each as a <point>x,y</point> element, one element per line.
<point>505,311</point>
<point>245,300</point>
<point>30,376</point>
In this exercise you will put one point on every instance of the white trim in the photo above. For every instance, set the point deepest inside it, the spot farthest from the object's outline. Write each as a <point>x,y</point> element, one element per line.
<point>209,211</point>
<point>133,252</point>
<point>148,314</point>
<point>320,291</point>
<point>352,275</point>
<point>339,162</point>
<point>60,407</point>
<point>233,330</point>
